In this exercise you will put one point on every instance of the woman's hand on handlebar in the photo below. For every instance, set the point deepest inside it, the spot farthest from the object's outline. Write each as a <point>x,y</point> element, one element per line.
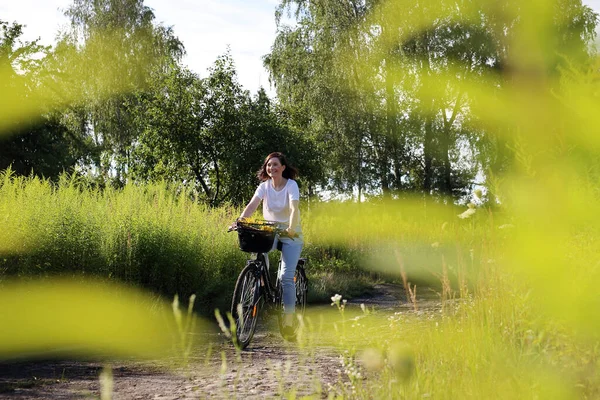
<point>290,232</point>
<point>232,227</point>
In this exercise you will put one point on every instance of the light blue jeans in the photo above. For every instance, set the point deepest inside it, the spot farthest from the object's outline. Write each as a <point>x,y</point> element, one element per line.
<point>290,254</point>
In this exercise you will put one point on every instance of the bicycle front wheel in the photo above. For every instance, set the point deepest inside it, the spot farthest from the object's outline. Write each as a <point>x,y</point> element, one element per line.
<point>245,304</point>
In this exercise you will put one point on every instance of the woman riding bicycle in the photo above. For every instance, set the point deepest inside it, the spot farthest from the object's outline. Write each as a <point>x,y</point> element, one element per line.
<point>280,196</point>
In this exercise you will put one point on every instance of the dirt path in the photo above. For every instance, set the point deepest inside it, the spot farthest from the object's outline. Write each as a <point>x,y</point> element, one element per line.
<point>270,368</point>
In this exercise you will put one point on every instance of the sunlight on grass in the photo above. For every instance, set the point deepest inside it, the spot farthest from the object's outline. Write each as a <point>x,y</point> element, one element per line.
<point>515,276</point>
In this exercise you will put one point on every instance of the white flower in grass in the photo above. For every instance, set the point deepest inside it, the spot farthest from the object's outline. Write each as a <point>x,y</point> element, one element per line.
<point>373,359</point>
<point>467,214</point>
<point>106,383</point>
<point>336,300</point>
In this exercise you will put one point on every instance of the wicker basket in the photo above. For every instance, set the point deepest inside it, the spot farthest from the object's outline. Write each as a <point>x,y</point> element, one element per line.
<point>253,240</point>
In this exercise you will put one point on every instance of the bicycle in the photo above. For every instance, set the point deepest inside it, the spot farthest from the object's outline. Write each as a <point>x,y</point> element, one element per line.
<point>254,289</point>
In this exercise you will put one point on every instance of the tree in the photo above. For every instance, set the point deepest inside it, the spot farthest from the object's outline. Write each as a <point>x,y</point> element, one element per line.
<point>209,134</point>
<point>19,70</point>
<point>116,47</point>
<point>34,140</point>
<point>323,93</point>
<point>44,148</point>
<point>392,83</point>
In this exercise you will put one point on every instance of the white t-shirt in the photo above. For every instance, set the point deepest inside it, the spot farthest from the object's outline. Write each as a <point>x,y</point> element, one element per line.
<point>276,204</point>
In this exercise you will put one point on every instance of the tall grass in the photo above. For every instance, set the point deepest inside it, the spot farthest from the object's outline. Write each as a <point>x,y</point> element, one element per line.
<point>146,236</point>
<point>516,315</point>
<point>518,311</point>
<point>139,235</point>
<point>492,333</point>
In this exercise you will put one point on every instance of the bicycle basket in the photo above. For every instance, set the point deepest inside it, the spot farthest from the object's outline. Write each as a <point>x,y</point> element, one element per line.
<point>253,239</point>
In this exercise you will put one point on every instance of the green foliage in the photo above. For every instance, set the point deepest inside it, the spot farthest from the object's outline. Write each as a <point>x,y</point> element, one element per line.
<point>374,98</point>
<point>322,94</point>
<point>43,147</point>
<point>20,66</point>
<point>37,143</point>
<point>517,310</point>
<point>147,236</point>
<point>109,54</point>
<point>401,72</point>
<point>209,136</point>
<point>82,318</point>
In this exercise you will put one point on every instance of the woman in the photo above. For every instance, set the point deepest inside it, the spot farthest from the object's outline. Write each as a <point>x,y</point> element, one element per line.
<point>280,197</point>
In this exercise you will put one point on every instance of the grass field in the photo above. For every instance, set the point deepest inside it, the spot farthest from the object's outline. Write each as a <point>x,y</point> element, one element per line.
<point>144,236</point>
<point>517,299</point>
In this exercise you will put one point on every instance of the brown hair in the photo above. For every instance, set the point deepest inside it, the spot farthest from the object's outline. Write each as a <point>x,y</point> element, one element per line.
<point>289,172</point>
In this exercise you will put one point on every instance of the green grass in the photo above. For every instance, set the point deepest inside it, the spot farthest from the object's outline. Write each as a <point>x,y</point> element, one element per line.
<point>515,316</point>
<point>145,236</point>
<point>139,235</point>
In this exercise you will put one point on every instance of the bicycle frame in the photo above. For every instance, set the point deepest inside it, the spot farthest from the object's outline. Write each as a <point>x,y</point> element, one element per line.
<point>267,287</point>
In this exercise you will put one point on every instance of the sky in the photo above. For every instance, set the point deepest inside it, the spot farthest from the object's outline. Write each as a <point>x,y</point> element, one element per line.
<point>206,28</point>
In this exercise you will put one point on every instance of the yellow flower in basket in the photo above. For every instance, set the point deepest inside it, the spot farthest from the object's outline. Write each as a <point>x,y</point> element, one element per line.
<point>257,224</point>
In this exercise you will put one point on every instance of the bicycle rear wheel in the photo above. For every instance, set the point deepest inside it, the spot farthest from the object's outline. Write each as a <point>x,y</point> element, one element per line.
<point>301,290</point>
<point>246,303</point>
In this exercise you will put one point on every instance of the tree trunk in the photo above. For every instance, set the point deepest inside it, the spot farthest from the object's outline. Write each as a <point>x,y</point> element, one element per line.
<point>428,154</point>
<point>391,131</point>
<point>198,174</point>
<point>391,128</point>
<point>360,183</point>
<point>428,142</point>
<point>445,145</point>
<point>444,152</point>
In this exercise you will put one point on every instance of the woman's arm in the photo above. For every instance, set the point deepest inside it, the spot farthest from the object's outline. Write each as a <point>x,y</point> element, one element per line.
<point>294,217</point>
<point>251,207</point>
